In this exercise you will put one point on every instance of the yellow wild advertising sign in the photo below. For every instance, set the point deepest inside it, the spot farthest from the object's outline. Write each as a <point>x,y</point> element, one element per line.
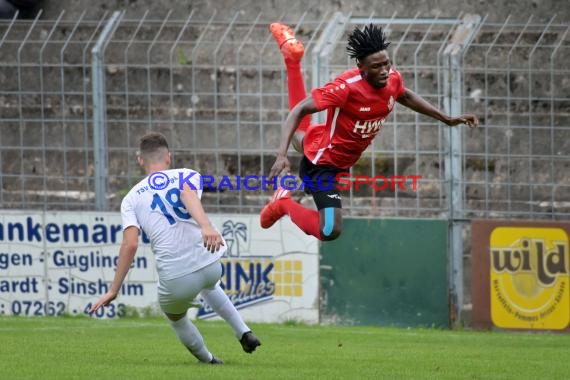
<point>529,279</point>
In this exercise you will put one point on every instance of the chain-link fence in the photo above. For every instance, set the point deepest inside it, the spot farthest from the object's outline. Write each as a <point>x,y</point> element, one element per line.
<point>76,95</point>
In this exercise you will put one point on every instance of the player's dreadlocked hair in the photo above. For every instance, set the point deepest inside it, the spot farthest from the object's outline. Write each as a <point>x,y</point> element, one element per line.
<point>363,43</point>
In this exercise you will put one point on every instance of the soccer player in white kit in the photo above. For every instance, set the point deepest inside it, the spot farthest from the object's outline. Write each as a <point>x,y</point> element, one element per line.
<point>186,245</point>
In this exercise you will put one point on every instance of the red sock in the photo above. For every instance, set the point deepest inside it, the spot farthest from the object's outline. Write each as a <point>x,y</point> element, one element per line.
<point>296,89</point>
<point>306,219</point>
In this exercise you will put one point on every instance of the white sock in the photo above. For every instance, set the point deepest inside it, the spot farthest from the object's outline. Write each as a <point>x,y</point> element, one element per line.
<point>221,304</point>
<point>191,338</point>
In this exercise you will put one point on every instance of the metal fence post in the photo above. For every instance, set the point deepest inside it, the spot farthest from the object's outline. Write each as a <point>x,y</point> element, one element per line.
<point>21,106</point>
<point>100,111</point>
<point>322,52</point>
<point>6,32</point>
<point>452,82</point>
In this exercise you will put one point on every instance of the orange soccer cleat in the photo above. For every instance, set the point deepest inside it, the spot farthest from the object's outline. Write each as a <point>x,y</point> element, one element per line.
<point>272,211</point>
<point>290,46</point>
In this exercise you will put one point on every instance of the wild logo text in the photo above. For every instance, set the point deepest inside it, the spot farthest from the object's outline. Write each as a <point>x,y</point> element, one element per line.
<point>529,278</point>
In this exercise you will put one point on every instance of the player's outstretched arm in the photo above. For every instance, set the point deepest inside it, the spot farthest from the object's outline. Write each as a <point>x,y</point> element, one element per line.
<point>304,107</point>
<point>415,102</point>
<point>212,238</point>
<point>126,255</point>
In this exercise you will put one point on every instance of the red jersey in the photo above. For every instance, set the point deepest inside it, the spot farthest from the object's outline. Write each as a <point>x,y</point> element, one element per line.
<point>355,114</point>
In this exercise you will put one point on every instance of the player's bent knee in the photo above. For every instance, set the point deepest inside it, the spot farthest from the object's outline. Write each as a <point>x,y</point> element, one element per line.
<point>332,235</point>
<point>297,141</point>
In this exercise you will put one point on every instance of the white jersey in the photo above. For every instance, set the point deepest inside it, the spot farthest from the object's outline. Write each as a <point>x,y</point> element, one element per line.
<point>154,205</point>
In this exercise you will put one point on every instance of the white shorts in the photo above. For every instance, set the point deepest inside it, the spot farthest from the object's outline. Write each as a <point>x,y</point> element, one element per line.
<point>175,296</point>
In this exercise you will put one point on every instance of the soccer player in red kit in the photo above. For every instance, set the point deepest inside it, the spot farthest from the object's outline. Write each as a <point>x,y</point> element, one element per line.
<point>357,103</point>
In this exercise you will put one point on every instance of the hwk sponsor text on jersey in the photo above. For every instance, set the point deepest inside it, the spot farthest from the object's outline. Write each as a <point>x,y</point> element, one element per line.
<point>368,127</point>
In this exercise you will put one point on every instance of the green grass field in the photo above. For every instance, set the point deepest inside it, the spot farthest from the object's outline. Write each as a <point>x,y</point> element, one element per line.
<point>81,348</point>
